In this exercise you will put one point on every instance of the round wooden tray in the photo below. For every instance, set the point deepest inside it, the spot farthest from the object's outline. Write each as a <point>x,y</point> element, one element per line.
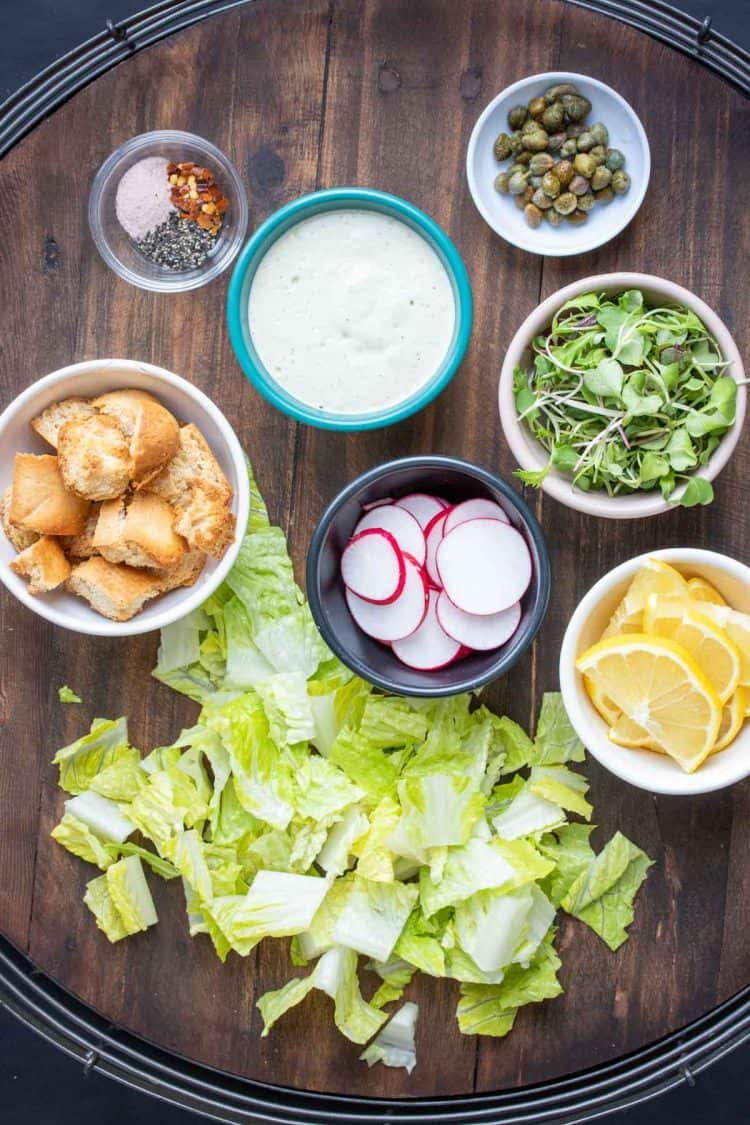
<point>309,94</point>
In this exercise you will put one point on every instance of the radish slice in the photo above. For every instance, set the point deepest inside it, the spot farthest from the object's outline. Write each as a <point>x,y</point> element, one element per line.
<point>373,567</point>
<point>475,510</point>
<point>480,633</point>
<point>484,566</point>
<point>423,507</point>
<point>433,534</point>
<point>397,619</point>
<point>428,648</point>
<point>377,503</point>
<point>402,526</point>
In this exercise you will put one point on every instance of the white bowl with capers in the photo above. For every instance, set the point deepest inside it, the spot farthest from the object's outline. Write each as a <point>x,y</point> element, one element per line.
<point>524,134</point>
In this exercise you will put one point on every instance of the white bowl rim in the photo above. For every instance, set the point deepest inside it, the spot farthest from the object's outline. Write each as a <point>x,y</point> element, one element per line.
<point>195,595</point>
<point>518,437</point>
<point>586,244</point>
<point>634,768</point>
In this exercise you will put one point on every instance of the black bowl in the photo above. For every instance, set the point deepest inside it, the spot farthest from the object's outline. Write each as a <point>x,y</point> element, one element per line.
<point>455,480</point>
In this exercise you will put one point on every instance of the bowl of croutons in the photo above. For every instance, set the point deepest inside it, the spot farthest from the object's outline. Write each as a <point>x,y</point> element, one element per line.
<point>124,495</point>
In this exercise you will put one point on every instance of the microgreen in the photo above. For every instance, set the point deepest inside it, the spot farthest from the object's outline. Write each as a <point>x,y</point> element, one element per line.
<point>626,397</point>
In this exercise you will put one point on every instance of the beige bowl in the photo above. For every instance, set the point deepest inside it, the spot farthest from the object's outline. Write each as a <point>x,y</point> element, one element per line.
<point>655,772</point>
<point>531,455</point>
<point>188,404</point>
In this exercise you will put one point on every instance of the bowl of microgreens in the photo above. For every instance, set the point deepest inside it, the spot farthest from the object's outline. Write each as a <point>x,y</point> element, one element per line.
<point>622,395</point>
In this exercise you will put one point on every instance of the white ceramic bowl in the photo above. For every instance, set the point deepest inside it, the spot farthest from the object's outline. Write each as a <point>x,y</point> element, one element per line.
<point>605,220</point>
<point>531,455</point>
<point>654,772</point>
<point>188,404</point>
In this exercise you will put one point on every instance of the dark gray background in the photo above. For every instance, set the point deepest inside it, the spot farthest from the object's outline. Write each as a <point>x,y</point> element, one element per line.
<point>38,1084</point>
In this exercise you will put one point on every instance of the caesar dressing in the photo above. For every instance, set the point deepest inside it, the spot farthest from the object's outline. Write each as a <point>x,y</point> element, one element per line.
<point>351,311</point>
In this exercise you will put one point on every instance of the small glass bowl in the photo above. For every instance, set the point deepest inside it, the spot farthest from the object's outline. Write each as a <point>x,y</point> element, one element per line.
<point>118,249</point>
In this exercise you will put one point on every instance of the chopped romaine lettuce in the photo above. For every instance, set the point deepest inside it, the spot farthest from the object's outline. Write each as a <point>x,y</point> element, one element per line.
<point>394,1043</point>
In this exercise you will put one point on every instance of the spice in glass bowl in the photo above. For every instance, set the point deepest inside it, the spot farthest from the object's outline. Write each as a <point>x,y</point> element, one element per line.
<point>173,211</point>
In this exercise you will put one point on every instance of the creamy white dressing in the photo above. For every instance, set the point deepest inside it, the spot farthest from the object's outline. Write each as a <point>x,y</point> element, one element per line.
<point>351,311</point>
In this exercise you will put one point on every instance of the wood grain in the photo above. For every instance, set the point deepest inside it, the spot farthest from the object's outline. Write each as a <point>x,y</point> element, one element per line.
<point>306,94</point>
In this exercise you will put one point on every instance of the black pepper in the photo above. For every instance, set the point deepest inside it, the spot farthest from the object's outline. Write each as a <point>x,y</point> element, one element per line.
<point>177,244</point>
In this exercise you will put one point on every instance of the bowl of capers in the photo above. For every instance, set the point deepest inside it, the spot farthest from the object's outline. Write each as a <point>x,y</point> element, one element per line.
<point>558,164</point>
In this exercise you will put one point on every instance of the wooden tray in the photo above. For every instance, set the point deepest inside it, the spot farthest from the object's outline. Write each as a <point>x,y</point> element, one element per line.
<point>309,94</point>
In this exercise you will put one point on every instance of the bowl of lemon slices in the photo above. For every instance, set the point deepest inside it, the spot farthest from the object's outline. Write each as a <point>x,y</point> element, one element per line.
<point>655,671</point>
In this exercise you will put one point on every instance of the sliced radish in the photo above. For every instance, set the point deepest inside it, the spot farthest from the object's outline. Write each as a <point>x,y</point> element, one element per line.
<point>372,566</point>
<point>474,631</point>
<point>429,647</point>
<point>433,533</point>
<point>475,510</point>
<point>484,566</point>
<point>397,619</point>
<point>402,526</point>
<point>423,507</point>
<point>377,503</point>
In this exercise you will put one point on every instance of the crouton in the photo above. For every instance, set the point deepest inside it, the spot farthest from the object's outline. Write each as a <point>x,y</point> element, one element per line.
<point>44,564</point>
<point>193,461</point>
<point>113,589</point>
<point>185,573</point>
<point>82,546</point>
<point>152,431</point>
<point>206,520</point>
<point>139,532</point>
<point>39,499</point>
<point>94,457</point>
<point>48,423</point>
<point>18,537</point>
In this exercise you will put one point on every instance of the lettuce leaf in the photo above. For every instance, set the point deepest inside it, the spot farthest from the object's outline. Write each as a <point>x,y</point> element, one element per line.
<point>491,1009</point>
<point>373,916</point>
<point>102,816</point>
<point>394,1043</point>
<point>603,894</point>
<point>80,762</point>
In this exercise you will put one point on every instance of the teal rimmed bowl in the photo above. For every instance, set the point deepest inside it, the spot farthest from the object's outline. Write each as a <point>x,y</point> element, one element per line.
<point>335,199</point>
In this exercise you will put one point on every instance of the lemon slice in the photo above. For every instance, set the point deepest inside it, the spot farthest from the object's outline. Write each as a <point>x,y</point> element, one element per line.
<point>703,591</point>
<point>707,643</point>
<point>732,718</point>
<point>626,732</point>
<point>606,708</point>
<point>656,682</point>
<point>654,577</point>
<point>736,625</point>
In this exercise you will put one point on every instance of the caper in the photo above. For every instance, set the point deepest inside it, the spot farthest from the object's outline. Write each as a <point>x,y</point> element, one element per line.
<point>541,200</point>
<point>585,165</point>
<point>615,160</point>
<point>605,195</point>
<point>565,172</point>
<point>586,201</point>
<point>620,182</point>
<point>577,217</point>
<point>569,147</point>
<point>502,147</point>
<point>556,141</point>
<point>540,163</point>
<point>535,181</point>
<point>553,116</point>
<point>552,93</point>
<point>524,198</point>
<point>537,107</point>
<point>551,184</point>
<point>523,157</point>
<point>536,142</point>
<point>600,133</point>
<point>576,106</point>
<point>601,178</point>
<point>517,183</point>
<point>517,115</point>
<point>501,182</point>
<point>585,141</point>
<point>517,167</point>
<point>598,153</point>
<point>515,141</point>
<point>579,185</point>
<point>565,203</point>
<point>575,131</point>
<point>553,217</point>
<point>533,215</point>
<point>530,126</point>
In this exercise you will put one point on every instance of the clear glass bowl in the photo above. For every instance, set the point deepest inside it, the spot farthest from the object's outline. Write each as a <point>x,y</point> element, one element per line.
<point>117,248</point>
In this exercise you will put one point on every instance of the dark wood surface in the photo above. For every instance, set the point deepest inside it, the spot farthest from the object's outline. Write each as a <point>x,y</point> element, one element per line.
<point>307,94</point>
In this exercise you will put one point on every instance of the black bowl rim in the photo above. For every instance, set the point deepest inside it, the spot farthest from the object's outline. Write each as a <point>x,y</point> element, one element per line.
<point>535,616</point>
